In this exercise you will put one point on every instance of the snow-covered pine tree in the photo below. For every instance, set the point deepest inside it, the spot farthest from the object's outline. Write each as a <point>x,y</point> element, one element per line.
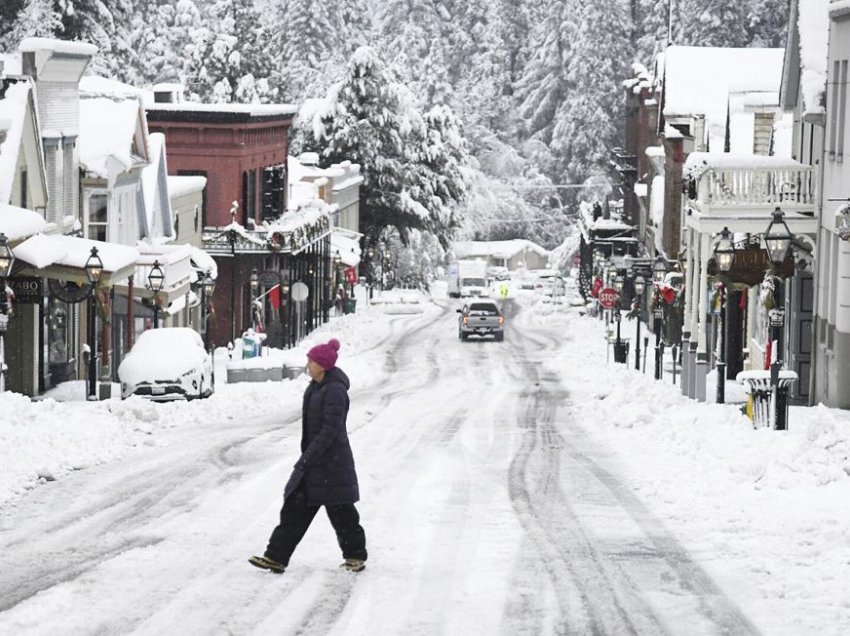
<point>588,122</point>
<point>412,164</point>
<point>543,85</point>
<point>104,23</point>
<point>37,18</point>
<point>651,29</point>
<point>358,26</point>
<point>308,38</point>
<point>227,58</point>
<point>420,33</point>
<point>767,22</point>
<point>711,23</point>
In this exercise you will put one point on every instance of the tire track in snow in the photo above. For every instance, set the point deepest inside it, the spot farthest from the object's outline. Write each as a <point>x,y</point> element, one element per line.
<point>616,577</point>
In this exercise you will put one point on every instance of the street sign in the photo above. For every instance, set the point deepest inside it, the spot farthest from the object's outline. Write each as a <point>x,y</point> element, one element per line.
<point>299,292</point>
<point>608,297</point>
<point>350,275</point>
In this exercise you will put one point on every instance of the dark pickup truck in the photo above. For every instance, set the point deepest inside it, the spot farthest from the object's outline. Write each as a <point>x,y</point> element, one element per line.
<point>482,319</point>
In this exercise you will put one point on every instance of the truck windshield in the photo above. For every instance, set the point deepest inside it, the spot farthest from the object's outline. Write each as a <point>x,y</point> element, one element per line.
<point>474,282</point>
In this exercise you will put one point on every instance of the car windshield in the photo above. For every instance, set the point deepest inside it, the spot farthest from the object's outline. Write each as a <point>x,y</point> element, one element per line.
<point>474,282</point>
<point>484,309</point>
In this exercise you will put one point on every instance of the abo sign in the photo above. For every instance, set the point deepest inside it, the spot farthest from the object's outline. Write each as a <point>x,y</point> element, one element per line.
<point>608,297</point>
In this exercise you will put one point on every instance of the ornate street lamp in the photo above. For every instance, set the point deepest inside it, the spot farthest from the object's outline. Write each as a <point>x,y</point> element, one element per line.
<point>621,353</point>
<point>724,251</point>
<point>639,285</point>
<point>778,238</point>
<point>659,269</point>
<point>94,271</point>
<point>7,259</point>
<point>156,278</point>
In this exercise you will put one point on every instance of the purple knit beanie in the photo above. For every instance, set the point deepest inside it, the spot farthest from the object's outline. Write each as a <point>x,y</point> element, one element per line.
<point>325,354</point>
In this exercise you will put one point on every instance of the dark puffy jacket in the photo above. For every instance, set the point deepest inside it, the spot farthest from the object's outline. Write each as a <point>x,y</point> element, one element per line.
<point>326,458</point>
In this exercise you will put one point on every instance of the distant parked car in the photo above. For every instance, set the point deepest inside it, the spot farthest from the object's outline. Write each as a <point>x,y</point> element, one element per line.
<point>167,364</point>
<point>482,319</point>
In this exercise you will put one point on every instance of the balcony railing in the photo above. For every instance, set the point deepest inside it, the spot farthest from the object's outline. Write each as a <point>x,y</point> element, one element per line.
<point>755,182</point>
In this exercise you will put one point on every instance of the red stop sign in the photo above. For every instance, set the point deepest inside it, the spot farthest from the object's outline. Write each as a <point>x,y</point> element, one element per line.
<point>608,297</point>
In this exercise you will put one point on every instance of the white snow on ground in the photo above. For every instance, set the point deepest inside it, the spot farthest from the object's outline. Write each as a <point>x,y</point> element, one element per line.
<point>764,512</point>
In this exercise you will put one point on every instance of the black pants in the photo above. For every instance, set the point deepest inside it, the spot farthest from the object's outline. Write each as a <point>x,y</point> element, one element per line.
<point>296,516</point>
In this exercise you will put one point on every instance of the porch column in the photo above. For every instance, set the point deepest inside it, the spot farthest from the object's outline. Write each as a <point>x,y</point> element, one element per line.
<point>693,313</point>
<point>686,317</point>
<point>131,329</point>
<point>702,341</point>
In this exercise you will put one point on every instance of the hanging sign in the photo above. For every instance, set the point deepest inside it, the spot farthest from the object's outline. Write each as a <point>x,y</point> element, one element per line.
<point>350,275</point>
<point>26,289</point>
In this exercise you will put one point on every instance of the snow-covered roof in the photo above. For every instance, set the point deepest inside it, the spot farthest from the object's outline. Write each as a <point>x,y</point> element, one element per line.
<point>698,80</point>
<point>254,110</point>
<point>17,223</point>
<point>813,31</point>
<point>348,248</point>
<point>97,86</point>
<point>13,108</point>
<point>107,129</point>
<point>57,46</point>
<point>499,249</point>
<point>178,185</point>
<point>43,250</point>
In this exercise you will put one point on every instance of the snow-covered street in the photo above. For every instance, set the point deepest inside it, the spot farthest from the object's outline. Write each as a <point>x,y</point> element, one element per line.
<point>515,487</point>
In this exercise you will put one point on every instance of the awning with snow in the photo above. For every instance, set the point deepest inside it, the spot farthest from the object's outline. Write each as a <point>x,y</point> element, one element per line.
<point>19,223</point>
<point>64,257</point>
<point>175,263</point>
<point>346,243</point>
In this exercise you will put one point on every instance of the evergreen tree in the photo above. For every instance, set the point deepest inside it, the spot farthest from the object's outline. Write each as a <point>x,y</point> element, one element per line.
<point>104,23</point>
<point>309,37</point>
<point>413,165</point>
<point>767,22</point>
<point>711,23</point>
<point>37,18</point>
<point>227,58</point>
<point>420,31</point>
<point>589,120</point>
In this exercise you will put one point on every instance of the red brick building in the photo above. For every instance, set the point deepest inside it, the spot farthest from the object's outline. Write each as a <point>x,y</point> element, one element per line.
<point>241,149</point>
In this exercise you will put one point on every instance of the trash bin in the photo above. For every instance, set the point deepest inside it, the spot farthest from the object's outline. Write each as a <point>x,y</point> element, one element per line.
<point>250,346</point>
<point>349,306</point>
<point>621,351</point>
<point>760,401</point>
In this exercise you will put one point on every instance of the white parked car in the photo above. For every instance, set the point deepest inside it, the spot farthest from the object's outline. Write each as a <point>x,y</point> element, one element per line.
<point>167,364</point>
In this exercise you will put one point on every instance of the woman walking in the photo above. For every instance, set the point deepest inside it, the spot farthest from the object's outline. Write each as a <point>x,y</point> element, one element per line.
<point>324,475</point>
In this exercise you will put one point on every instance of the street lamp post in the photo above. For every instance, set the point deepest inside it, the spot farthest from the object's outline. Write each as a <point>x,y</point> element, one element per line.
<point>724,254</point>
<point>659,271</point>
<point>7,259</point>
<point>620,352</point>
<point>156,277</point>
<point>207,289</point>
<point>639,286</point>
<point>94,270</point>
<point>254,281</point>
<point>777,239</point>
